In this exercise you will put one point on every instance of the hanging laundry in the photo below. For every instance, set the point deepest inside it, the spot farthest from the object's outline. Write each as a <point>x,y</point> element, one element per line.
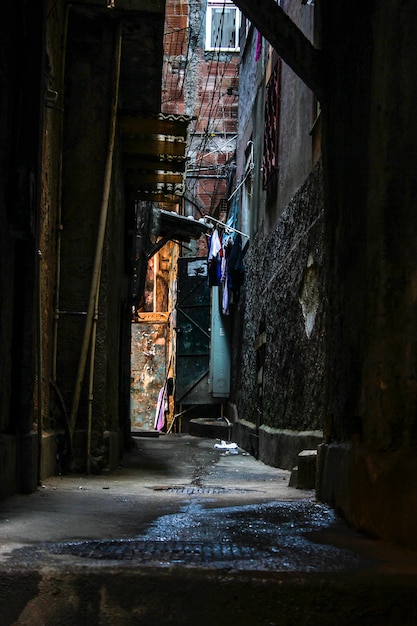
<point>225,276</point>
<point>214,246</point>
<point>258,47</point>
<point>225,267</point>
<point>214,258</point>
<point>161,409</point>
<point>225,295</point>
<point>236,270</point>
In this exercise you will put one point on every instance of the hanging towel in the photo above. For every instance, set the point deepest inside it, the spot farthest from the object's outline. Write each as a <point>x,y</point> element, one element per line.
<point>161,407</point>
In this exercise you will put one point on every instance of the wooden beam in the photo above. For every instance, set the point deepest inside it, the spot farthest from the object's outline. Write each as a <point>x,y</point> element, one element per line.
<point>153,318</point>
<point>151,165</point>
<point>133,145</point>
<point>166,198</point>
<point>152,178</point>
<point>288,40</point>
<point>136,125</point>
<point>157,6</point>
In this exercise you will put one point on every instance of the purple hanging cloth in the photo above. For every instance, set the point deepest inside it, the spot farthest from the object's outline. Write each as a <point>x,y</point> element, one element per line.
<point>160,409</point>
<point>258,47</point>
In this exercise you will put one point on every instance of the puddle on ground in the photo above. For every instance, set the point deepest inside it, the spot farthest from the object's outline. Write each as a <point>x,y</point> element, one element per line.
<point>278,536</point>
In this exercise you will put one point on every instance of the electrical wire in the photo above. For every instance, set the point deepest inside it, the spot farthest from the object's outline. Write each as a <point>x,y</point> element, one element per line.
<point>215,101</point>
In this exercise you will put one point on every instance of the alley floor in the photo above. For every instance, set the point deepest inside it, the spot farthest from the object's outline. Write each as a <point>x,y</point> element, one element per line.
<point>185,533</point>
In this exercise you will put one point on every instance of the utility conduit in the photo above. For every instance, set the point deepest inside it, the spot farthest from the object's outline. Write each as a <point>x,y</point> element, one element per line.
<point>95,279</point>
<point>91,379</point>
<point>59,196</point>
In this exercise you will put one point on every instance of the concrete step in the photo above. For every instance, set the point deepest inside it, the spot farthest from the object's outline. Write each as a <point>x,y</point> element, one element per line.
<point>212,428</point>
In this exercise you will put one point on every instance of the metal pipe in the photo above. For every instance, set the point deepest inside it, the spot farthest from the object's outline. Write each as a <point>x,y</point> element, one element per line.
<point>179,415</point>
<point>40,366</point>
<point>242,181</point>
<point>66,418</point>
<point>155,281</point>
<point>223,177</point>
<point>59,199</point>
<point>91,381</point>
<point>224,225</point>
<point>100,237</point>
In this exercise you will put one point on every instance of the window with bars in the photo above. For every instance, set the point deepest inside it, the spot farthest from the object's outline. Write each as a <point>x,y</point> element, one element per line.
<point>271,128</point>
<point>222,26</point>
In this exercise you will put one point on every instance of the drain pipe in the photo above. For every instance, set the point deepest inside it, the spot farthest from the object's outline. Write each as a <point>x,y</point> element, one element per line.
<point>91,379</point>
<point>95,279</point>
<point>40,367</point>
<point>59,227</point>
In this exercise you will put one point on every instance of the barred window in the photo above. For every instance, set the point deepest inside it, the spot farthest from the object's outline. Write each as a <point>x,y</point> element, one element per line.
<point>222,26</point>
<point>271,128</point>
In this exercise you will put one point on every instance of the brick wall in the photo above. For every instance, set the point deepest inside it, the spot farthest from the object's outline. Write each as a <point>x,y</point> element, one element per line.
<point>203,85</point>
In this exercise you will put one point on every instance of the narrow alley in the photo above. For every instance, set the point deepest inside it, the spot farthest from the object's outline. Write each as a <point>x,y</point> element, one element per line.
<point>184,533</point>
<point>208,213</point>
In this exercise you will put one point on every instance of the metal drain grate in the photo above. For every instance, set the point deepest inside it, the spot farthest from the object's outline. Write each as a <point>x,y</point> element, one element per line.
<point>157,551</point>
<point>191,490</point>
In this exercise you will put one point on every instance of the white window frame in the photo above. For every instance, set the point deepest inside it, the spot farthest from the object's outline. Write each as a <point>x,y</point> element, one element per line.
<point>220,5</point>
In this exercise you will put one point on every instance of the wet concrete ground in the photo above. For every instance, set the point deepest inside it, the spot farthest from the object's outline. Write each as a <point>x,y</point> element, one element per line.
<point>184,533</point>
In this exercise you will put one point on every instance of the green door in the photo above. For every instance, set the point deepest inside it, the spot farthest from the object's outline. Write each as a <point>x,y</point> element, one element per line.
<point>193,333</point>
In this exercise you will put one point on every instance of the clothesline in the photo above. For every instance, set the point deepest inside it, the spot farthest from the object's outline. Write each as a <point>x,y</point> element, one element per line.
<point>225,267</point>
<point>225,226</point>
<point>242,181</point>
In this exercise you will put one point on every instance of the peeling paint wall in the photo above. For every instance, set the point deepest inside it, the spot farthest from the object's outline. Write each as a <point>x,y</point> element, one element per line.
<point>148,371</point>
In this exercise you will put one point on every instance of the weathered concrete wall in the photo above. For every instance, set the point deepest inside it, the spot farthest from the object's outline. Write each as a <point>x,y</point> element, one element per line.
<point>371,189</point>
<point>278,355</point>
<point>88,90</point>
<point>284,298</point>
<point>89,84</point>
<point>7,103</point>
<point>296,120</point>
<point>112,309</point>
<point>21,77</point>
<point>295,116</point>
<point>367,359</point>
<point>8,465</point>
<point>49,232</point>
